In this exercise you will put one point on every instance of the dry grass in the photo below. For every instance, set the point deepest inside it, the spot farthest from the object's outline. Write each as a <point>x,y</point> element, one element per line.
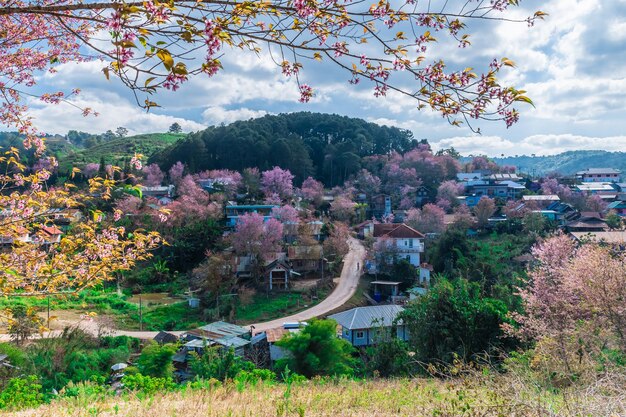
<point>472,396</point>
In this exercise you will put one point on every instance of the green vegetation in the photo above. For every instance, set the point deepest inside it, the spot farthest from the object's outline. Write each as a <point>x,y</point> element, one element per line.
<point>328,147</point>
<point>116,151</point>
<point>265,307</point>
<point>316,350</point>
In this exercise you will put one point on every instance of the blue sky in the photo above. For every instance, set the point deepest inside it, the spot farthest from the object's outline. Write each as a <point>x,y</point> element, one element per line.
<point>572,65</point>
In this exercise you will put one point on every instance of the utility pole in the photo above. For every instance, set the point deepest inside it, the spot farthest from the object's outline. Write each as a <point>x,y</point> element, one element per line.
<point>140,314</point>
<point>48,312</point>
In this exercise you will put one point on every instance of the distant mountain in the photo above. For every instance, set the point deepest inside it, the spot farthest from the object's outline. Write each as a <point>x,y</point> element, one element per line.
<point>566,163</point>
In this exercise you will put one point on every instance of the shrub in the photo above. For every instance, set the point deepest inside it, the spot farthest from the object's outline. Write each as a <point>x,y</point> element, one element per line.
<point>156,360</point>
<point>147,384</point>
<point>21,393</point>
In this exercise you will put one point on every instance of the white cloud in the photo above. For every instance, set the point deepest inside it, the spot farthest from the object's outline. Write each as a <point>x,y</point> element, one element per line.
<point>113,111</point>
<point>218,115</point>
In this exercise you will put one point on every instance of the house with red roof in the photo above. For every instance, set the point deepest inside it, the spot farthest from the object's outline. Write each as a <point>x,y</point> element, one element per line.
<point>400,240</point>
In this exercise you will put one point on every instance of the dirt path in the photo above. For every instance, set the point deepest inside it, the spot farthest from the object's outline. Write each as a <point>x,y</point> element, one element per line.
<point>345,289</point>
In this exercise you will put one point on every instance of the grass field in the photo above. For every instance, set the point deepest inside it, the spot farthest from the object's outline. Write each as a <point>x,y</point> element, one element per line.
<point>472,395</point>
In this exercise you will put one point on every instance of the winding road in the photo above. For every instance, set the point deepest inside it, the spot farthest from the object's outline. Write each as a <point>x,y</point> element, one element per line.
<point>345,289</point>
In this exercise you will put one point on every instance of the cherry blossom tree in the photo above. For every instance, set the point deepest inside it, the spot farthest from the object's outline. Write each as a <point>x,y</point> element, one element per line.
<point>368,183</point>
<point>285,214</point>
<point>153,176</point>
<point>312,190</point>
<point>90,170</point>
<point>277,182</point>
<point>258,239</point>
<point>449,191</point>
<point>342,208</point>
<point>430,219</point>
<point>192,204</point>
<point>176,173</point>
<point>575,296</point>
<point>595,203</point>
<point>336,244</point>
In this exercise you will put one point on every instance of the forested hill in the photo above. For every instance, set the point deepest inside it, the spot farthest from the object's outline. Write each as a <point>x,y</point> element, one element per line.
<point>328,147</point>
<point>566,163</point>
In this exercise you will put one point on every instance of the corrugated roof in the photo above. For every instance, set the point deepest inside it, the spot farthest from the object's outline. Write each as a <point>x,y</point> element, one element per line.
<point>546,197</point>
<point>599,171</point>
<point>368,317</point>
<point>608,237</point>
<point>227,329</point>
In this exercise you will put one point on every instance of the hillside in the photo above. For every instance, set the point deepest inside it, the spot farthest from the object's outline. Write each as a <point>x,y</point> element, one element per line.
<point>566,163</point>
<point>326,146</point>
<point>118,149</point>
<point>56,145</point>
<point>470,396</point>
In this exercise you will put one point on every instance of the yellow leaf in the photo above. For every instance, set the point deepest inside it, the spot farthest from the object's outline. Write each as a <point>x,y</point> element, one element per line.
<point>165,57</point>
<point>508,62</point>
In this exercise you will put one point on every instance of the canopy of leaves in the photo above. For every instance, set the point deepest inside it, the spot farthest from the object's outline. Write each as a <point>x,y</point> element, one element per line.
<point>317,350</point>
<point>327,147</point>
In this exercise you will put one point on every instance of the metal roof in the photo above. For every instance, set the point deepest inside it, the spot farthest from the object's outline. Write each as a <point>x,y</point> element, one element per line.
<point>599,171</point>
<point>368,317</point>
<point>222,329</point>
<point>542,197</point>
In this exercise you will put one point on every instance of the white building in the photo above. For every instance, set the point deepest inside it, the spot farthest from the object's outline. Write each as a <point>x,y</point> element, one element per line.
<point>401,240</point>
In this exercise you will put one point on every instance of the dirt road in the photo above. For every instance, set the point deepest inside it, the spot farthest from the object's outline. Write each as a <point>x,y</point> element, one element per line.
<point>345,289</point>
<point>348,282</point>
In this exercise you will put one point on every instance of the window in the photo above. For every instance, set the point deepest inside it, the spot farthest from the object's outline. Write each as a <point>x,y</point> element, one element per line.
<point>360,334</point>
<point>410,243</point>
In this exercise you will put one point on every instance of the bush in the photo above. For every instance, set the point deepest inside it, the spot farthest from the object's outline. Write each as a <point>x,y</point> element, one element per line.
<point>254,376</point>
<point>220,364</point>
<point>147,384</point>
<point>317,350</point>
<point>21,393</point>
<point>156,360</point>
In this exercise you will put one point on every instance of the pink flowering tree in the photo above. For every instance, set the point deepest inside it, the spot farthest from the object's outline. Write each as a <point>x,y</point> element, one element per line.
<point>228,180</point>
<point>285,214</point>
<point>430,219</point>
<point>312,190</point>
<point>193,204</point>
<point>90,170</point>
<point>447,194</point>
<point>368,183</point>
<point>153,176</point>
<point>258,239</point>
<point>176,172</point>
<point>574,299</point>
<point>595,203</point>
<point>342,208</point>
<point>277,182</point>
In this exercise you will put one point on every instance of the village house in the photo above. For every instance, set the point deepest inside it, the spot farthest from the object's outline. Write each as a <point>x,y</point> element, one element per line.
<point>401,240</point>
<point>380,206</point>
<point>588,221</point>
<point>233,211</point>
<point>618,206</point>
<point>305,259</point>
<point>599,175</point>
<point>158,191</point>
<point>364,326</point>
